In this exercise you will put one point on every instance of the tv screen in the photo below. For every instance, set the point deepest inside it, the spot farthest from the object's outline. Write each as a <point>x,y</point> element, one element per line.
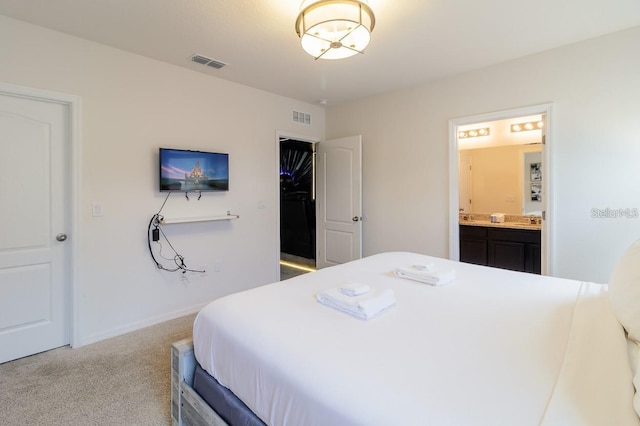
<point>183,170</point>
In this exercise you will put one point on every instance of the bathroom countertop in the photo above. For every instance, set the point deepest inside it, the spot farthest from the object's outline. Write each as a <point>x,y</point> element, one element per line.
<point>510,225</point>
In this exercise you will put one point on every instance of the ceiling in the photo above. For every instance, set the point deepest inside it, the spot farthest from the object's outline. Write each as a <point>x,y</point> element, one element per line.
<point>414,41</point>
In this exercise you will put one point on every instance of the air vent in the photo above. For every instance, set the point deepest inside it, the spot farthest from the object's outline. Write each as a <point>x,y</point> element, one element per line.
<point>301,117</point>
<point>207,61</point>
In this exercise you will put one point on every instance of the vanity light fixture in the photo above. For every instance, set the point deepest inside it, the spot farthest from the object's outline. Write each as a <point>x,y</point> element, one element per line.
<point>529,125</point>
<point>474,133</point>
<point>334,29</point>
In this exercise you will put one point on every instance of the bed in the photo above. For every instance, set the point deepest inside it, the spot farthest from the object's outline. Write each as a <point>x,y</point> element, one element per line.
<point>490,347</point>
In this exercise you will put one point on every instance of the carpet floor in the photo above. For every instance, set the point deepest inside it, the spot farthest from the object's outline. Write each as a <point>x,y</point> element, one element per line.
<point>125,380</point>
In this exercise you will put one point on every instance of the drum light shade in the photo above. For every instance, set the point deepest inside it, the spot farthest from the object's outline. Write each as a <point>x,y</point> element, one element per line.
<point>334,29</point>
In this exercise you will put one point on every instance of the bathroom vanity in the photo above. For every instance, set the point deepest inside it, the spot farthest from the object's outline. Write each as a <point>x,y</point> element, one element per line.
<point>513,244</point>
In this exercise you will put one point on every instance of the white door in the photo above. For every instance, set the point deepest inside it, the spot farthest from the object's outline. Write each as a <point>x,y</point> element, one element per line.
<point>339,201</point>
<point>545,260</point>
<point>34,178</point>
<point>465,182</point>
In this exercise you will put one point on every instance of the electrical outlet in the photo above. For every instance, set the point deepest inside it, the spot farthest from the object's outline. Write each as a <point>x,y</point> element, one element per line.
<point>217,266</point>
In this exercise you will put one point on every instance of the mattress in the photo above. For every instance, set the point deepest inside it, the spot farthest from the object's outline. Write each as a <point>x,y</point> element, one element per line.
<point>492,347</point>
<point>227,405</point>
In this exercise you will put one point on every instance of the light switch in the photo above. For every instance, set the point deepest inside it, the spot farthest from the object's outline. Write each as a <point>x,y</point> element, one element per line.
<point>96,209</point>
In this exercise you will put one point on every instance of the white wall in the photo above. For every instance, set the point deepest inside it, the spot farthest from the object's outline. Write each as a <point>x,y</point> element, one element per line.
<point>131,106</point>
<point>594,87</point>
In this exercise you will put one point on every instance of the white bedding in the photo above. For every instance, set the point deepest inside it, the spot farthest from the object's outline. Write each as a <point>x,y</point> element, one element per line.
<point>492,347</point>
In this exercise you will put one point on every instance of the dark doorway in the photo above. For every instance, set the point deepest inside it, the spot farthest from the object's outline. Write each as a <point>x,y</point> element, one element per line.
<point>297,201</point>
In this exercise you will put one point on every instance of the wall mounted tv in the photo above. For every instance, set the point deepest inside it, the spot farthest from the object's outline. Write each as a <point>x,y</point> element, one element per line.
<point>185,171</point>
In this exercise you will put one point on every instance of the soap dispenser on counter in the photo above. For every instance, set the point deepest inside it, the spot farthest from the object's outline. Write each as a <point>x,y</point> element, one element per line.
<point>496,218</point>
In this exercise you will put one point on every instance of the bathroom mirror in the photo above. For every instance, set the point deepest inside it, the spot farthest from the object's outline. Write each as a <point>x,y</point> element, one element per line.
<point>500,170</point>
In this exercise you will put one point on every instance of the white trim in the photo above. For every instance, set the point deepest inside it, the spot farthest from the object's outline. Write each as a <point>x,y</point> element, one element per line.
<point>284,134</point>
<point>139,325</point>
<point>73,103</point>
<point>548,244</point>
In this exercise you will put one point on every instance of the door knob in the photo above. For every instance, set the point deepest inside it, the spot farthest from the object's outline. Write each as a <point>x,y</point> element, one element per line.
<point>355,218</point>
<point>61,237</point>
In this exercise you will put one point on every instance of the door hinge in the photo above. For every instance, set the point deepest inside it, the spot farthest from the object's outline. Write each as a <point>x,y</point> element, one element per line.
<point>544,215</point>
<point>544,139</point>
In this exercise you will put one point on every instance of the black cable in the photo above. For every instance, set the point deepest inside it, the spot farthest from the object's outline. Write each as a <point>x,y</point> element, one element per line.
<point>155,221</point>
<point>186,195</point>
<point>165,237</point>
<point>165,202</point>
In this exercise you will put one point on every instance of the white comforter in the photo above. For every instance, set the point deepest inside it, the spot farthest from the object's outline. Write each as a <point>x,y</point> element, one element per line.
<point>493,347</point>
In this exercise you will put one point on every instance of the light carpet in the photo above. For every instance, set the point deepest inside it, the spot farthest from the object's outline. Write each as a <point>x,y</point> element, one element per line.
<point>125,380</point>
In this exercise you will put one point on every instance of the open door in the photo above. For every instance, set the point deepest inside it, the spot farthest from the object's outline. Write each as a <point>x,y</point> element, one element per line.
<point>466,177</point>
<point>339,201</point>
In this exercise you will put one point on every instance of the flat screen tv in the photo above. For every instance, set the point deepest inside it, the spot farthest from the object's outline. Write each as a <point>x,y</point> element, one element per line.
<point>185,171</point>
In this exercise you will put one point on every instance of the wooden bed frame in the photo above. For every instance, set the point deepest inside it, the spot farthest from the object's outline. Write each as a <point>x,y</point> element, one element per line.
<point>187,407</point>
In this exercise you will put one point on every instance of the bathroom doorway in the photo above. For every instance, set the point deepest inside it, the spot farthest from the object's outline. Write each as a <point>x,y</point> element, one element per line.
<point>520,193</point>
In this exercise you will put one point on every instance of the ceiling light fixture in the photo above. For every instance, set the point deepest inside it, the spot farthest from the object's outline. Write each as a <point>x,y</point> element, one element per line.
<point>524,127</point>
<point>474,133</point>
<point>334,29</point>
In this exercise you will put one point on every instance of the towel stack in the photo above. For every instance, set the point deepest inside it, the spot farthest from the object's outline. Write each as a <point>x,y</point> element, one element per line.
<point>357,300</point>
<point>351,288</point>
<point>426,274</point>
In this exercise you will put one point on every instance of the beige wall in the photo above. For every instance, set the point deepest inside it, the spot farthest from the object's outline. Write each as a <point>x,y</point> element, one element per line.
<point>594,87</point>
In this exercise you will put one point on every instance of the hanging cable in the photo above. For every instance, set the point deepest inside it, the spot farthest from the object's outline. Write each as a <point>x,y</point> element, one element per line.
<point>154,222</point>
<point>153,235</point>
<point>165,202</point>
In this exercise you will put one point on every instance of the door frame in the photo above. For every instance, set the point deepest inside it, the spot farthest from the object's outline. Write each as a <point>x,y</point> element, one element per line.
<point>73,104</point>
<point>279,135</point>
<point>547,157</point>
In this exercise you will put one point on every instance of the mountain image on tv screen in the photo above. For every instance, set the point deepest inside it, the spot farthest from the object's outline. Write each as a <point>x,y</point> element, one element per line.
<point>182,170</point>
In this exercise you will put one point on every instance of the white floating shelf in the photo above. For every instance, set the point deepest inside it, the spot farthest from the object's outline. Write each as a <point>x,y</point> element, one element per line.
<point>168,221</point>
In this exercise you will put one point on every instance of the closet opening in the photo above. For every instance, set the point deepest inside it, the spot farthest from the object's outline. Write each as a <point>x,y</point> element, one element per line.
<point>297,207</point>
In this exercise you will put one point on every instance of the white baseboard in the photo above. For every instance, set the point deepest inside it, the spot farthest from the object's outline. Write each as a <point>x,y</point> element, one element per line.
<point>138,325</point>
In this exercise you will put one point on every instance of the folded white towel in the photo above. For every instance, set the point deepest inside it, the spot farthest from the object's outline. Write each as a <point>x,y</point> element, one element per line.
<point>423,267</point>
<point>432,277</point>
<point>362,307</point>
<point>352,288</point>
